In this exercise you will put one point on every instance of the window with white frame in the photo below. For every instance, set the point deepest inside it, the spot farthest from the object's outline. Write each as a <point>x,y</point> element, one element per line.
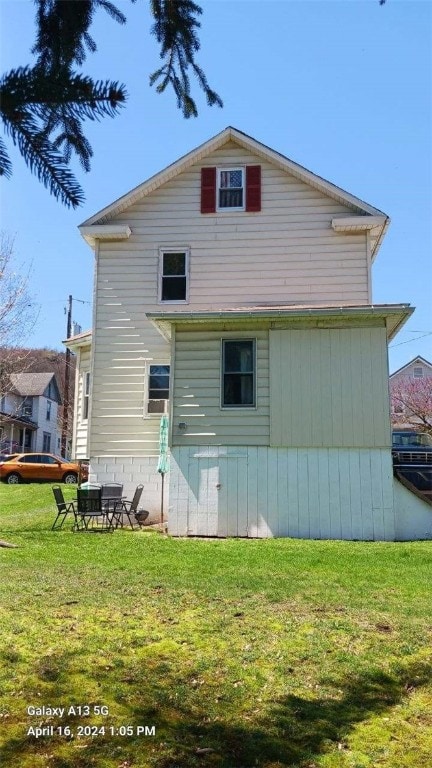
<point>27,407</point>
<point>48,412</point>
<point>157,389</point>
<point>86,395</point>
<point>238,373</point>
<point>46,444</point>
<point>418,372</point>
<point>173,276</point>
<point>230,189</point>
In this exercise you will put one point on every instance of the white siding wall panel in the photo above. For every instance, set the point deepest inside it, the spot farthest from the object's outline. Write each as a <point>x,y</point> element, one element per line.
<point>197,392</point>
<point>329,388</point>
<point>413,516</point>
<point>288,252</point>
<point>321,493</point>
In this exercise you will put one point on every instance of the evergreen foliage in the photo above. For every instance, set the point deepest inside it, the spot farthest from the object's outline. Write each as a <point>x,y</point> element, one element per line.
<point>43,107</point>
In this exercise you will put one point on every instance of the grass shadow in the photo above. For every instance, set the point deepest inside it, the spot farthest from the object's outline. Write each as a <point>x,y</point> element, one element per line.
<point>292,732</point>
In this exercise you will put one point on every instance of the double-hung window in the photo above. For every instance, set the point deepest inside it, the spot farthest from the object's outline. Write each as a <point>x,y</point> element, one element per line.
<point>86,395</point>
<point>173,276</point>
<point>231,193</point>
<point>158,389</point>
<point>238,373</point>
<point>27,407</point>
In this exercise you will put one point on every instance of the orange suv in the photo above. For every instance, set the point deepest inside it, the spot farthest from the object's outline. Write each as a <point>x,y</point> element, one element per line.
<point>40,466</point>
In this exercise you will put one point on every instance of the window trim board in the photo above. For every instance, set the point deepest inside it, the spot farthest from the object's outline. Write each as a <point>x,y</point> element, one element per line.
<point>170,249</point>
<point>237,407</point>
<point>146,399</point>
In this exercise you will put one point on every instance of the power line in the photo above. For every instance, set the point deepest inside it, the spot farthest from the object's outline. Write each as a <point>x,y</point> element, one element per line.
<point>410,341</point>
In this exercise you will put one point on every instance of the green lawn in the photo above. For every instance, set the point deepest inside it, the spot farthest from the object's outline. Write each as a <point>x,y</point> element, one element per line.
<point>239,653</point>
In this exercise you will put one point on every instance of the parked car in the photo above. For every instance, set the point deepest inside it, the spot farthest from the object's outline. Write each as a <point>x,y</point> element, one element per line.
<point>7,457</point>
<point>41,466</point>
<point>412,448</point>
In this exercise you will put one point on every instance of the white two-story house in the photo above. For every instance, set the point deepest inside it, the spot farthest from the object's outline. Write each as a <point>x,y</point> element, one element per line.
<point>29,414</point>
<point>233,291</point>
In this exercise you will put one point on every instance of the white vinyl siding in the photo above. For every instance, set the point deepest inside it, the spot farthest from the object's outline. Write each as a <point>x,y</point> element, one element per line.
<point>288,252</point>
<point>329,388</point>
<point>197,392</point>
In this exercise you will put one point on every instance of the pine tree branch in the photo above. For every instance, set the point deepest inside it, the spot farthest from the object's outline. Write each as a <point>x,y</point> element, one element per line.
<point>44,161</point>
<point>5,163</point>
<point>63,34</point>
<point>175,30</point>
<point>60,104</point>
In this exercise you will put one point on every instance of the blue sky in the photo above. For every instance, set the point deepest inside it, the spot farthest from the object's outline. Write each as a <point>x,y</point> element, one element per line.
<point>343,88</point>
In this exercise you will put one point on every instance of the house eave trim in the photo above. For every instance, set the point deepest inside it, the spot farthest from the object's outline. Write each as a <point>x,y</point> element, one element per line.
<point>357,223</point>
<point>84,340</point>
<point>395,315</point>
<point>104,232</point>
<point>247,142</point>
<point>376,225</point>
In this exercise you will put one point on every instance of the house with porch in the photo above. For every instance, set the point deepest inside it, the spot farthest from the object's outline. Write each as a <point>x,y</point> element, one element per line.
<point>29,414</point>
<point>233,291</point>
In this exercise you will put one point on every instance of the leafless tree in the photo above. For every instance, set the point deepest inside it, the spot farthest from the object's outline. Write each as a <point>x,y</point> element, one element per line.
<point>18,312</point>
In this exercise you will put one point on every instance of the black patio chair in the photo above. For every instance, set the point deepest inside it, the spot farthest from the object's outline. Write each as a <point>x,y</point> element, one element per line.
<point>128,508</point>
<point>64,508</point>
<point>111,495</point>
<point>91,516</point>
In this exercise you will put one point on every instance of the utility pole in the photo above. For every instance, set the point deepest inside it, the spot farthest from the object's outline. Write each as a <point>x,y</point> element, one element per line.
<point>66,382</point>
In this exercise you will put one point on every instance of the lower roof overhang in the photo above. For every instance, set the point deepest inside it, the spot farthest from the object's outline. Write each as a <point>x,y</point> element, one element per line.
<point>80,340</point>
<point>394,316</point>
<point>7,418</point>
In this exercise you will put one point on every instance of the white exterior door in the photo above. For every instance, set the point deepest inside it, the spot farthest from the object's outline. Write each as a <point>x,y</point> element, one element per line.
<point>217,495</point>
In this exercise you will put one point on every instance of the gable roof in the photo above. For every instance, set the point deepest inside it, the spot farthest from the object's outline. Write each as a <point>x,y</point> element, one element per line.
<point>33,384</point>
<point>418,359</point>
<point>360,207</point>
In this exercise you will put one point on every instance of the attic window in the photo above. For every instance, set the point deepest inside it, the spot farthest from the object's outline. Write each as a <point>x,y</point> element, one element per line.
<point>231,189</point>
<point>418,372</point>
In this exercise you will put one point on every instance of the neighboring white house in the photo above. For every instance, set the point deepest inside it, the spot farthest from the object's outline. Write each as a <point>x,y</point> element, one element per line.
<point>29,414</point>
<point>233,290</point>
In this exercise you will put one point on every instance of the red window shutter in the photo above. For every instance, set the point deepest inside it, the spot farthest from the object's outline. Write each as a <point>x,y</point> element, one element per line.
<point>253,188</point>
<point>208,190</point>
